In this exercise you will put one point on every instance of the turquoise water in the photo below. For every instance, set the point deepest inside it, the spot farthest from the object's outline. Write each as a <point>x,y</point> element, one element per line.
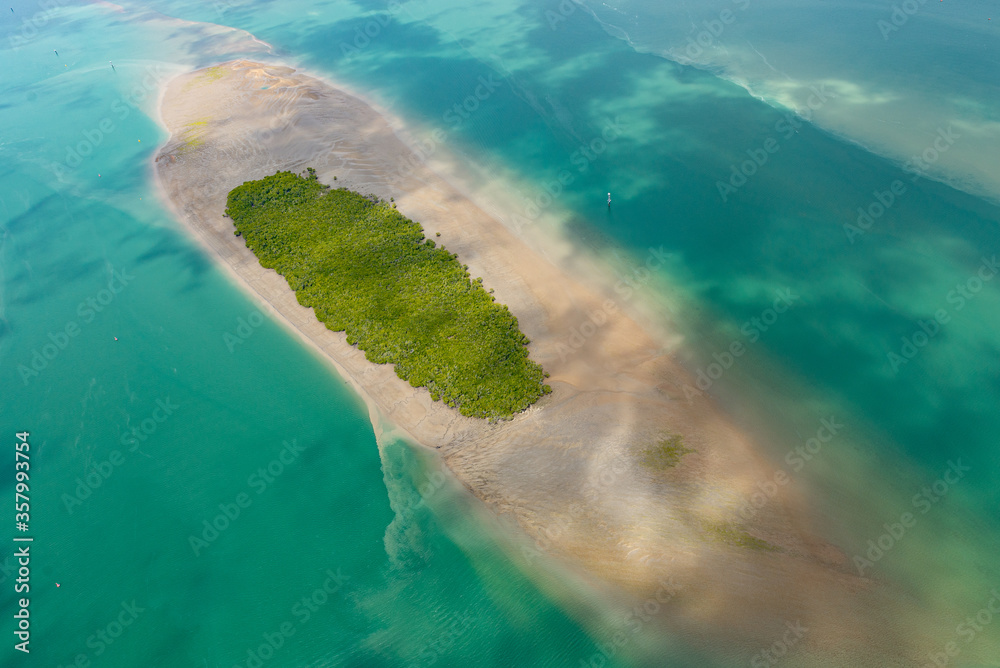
<point>894,71</point>
<point>217,391</point>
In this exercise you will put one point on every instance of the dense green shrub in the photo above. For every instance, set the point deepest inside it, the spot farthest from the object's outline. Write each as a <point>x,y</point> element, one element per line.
<point>370,272</point>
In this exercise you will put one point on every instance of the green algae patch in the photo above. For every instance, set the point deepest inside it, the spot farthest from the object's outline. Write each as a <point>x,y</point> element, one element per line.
<point>732,534</point>
<point>192,136</point>
<point>665,454</point>
<point>368,271</point>
<point>207,76</point>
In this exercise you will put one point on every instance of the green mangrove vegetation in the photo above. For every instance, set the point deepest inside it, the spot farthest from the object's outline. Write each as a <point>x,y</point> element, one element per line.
<point>369,271</point>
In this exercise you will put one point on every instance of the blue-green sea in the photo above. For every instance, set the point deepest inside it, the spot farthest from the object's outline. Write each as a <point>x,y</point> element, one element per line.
<point>207,492</point>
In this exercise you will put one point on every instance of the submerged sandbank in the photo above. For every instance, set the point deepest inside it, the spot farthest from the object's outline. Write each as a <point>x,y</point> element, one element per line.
<point>574,471</point>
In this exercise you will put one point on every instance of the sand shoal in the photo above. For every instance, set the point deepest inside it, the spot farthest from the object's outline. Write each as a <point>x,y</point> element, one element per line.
<point>568,471</point>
